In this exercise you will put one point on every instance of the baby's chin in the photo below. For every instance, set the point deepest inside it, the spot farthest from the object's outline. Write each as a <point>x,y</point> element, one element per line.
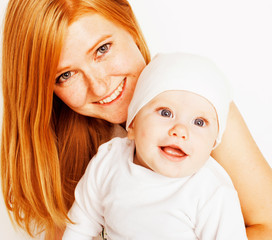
<point>176,174</point>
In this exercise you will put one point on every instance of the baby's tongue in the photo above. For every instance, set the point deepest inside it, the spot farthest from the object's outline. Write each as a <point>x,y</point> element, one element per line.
<point>173,151</point>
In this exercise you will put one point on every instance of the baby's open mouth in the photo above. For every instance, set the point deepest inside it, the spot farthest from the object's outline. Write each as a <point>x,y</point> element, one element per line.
<point>173,151</point>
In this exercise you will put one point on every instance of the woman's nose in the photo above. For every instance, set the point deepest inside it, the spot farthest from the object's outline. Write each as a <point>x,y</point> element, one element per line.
<point>97,85</point>
<point>179,131</point>
<point>98,88</point>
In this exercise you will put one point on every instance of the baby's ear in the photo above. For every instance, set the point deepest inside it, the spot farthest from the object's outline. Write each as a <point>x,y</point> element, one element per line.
<point>130,130</point>
<point>215,144</point>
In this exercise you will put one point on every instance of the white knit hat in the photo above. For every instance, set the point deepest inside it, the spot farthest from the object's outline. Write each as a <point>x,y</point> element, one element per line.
<point>182,71</point>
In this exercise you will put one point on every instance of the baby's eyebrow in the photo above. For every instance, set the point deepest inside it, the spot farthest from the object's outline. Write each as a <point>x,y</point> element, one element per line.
<point>208,115</point>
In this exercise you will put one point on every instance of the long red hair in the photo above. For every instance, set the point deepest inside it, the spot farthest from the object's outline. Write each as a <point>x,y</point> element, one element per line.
<point>45,145</point>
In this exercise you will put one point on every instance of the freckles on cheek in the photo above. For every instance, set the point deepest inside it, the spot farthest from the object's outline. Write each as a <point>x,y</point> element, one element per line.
<point>122,64</point>
<point>130,61</point>
<point>71,98</point>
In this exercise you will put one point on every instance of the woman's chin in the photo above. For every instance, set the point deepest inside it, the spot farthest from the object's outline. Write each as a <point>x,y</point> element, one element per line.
<point>118,119</point>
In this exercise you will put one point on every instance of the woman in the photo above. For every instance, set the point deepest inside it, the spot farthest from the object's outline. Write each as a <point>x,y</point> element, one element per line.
<point>69,72</point>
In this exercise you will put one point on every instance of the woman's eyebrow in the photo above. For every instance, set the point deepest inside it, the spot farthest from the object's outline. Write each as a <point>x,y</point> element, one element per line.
<point>62,70</point>
<point>93,46</point>
<point>98,41</point>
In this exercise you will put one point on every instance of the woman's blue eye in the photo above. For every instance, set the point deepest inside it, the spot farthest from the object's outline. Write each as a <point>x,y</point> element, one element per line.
<point>64,77</point>
<point>165,113</point>
<point>199,122</point>
<point>103,49</point>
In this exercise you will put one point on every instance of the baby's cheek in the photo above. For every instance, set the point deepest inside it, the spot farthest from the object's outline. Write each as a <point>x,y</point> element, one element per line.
<point>143,134</point>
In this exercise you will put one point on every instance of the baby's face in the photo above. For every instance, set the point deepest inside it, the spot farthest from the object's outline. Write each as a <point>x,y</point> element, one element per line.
<point>174,133</point>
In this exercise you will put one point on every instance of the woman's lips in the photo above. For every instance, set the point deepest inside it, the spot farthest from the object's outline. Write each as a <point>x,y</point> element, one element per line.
<point>173,153</point>
<point>115,94</point>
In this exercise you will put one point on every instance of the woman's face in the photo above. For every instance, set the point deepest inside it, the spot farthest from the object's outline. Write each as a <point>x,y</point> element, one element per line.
<point>98,69</point>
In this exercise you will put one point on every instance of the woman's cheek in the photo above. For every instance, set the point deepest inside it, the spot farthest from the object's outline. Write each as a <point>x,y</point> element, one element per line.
<point>131,59</point>
<point>74,96</point>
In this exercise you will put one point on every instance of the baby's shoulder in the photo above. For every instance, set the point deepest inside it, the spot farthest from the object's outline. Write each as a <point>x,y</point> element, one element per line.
<point>112,152</point>
<point>115,145</point>
<point>110,159</point>
<point>214,173</point>
<point>213,182</point>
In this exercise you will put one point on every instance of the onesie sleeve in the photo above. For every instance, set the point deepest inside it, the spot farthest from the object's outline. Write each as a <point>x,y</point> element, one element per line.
<point>221,217</point>
<point>86,211</point>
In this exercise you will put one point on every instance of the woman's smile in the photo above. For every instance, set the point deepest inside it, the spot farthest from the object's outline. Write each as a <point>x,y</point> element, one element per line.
<point>115,95</point>
<point>98,68</point>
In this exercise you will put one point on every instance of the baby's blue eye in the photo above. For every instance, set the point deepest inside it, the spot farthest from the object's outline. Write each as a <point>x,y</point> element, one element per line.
<point>165,113</point>
<point>199,122</point>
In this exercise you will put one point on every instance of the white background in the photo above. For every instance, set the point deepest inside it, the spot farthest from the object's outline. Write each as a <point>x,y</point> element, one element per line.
<point>236,34</point>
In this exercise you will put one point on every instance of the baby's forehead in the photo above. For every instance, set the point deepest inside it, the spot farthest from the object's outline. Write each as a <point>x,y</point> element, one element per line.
<point>183,100</point>
<point>181,71</point>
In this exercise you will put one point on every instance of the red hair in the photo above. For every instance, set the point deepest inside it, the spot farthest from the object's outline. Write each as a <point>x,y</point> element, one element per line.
<point>45,145</point>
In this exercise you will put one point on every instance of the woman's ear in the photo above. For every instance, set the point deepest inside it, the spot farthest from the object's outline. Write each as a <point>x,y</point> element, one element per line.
<point>130,130</point>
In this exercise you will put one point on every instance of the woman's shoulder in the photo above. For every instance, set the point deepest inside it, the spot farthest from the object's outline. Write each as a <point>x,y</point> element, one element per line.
<point>118,131</point>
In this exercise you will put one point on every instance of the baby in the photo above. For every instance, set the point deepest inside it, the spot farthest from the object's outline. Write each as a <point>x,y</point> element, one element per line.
<point>160,182</point>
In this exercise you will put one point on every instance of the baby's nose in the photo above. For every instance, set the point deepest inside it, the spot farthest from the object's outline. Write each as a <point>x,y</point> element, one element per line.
<point>180,131</point>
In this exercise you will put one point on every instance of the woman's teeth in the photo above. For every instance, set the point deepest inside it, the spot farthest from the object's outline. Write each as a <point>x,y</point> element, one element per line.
<point>114,95</point>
